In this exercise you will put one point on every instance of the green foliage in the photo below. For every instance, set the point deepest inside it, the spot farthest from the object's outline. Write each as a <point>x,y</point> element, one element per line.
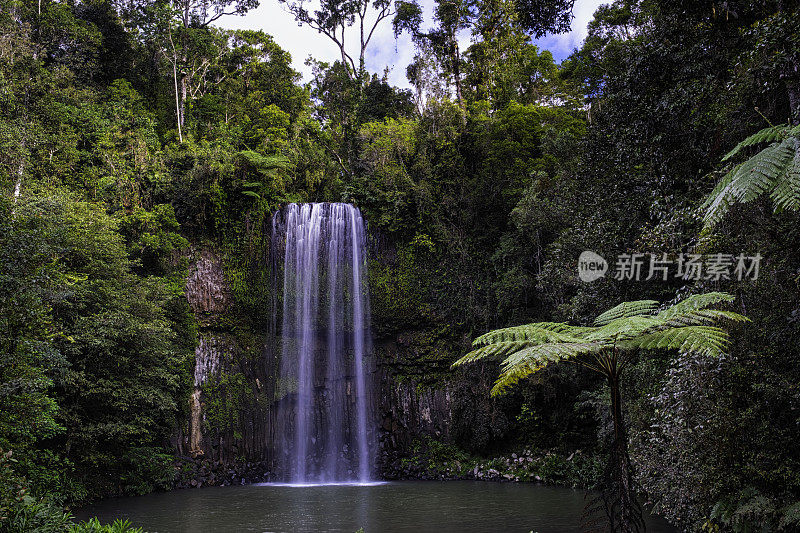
<point>750,511</point>
<point>153,238</point>
<point>21,511</point>
<point>225,397</point>
<point>479,199</point>
<point>430,458</point>
<point>93,525</point>
<point>627,327</point>
<point>775,170</point>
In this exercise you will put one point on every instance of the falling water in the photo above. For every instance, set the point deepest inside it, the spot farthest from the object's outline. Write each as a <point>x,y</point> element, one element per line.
<point>324,422</point>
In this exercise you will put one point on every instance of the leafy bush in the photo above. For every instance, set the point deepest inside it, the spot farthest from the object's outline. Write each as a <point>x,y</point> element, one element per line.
<point>93,525</point>
<point>22,512</point>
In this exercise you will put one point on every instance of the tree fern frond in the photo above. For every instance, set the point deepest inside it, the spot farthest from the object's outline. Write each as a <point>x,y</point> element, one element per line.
<point>770,134</point>
<point>627,309</point>
<point>773,170</point>
<point>539,332</point>
<point>695,301</point>
<point>719,202</point>
<point>759,173</point>
<point>699,317</point>
<point>498,349</point>
<point>703,340</point>
<point>786,194</point>
<point>716,195</point>
<point>534,358</point>
<point>621,328</point>
<point>691,325</point>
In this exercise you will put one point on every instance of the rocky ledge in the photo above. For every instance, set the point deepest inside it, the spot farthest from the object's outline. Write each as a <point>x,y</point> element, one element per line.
<point>201,472</point>
<point>434,461</point>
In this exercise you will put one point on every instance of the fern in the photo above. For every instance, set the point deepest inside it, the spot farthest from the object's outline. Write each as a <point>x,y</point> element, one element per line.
<point>775,170</point>
<point>531,359</point>
<point>696,302</point>
<point>627,309</point>
<point>541,331</point>
<point>703,340</point>
<point>692,325</point>
<point>771,134</point>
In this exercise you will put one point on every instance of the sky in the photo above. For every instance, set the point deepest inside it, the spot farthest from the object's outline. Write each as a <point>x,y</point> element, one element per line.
<point>384,50</point>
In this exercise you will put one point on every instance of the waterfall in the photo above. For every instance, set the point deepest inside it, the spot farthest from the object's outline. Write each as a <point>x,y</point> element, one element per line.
<point>324,426</point>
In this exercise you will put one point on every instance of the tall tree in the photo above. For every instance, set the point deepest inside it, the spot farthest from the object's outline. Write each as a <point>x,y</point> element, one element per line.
<point>333,18</point>
<point>181,30</point>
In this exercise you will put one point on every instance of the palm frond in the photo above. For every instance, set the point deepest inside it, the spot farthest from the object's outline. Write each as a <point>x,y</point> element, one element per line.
<point>627,309</point>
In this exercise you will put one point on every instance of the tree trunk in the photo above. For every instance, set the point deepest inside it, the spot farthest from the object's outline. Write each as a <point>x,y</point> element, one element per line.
<point>18,186</point>
<point>456,59</point>
<point>622,508</point>
<point>184,91</point>
<point>177,99</point>
<point>615,509</point>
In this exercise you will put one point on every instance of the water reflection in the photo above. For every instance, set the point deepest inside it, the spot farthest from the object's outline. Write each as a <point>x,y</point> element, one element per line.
<point>436,507</point>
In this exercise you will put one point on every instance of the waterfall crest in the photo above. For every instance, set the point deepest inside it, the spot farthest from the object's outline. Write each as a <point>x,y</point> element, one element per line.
<point>324,426</point>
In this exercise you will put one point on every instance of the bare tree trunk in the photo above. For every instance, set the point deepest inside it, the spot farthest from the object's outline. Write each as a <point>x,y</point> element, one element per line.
<point>18,186</point>
<point>177,99</point>
<point>616,508</point>
<point>20,172</point>
<point>184,89</point>
<point>456,59</point>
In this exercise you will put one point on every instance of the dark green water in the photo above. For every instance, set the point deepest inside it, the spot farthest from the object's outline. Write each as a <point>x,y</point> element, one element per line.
<point>408,506</point>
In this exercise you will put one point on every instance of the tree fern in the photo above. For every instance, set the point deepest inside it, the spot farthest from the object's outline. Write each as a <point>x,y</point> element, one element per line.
<point>775,170</point>
<point>695,324</point>
<point>691,325</point>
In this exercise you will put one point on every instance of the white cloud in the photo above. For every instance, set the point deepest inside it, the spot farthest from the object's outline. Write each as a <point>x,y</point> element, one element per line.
<point>562,45</point>
<point>385,50</point>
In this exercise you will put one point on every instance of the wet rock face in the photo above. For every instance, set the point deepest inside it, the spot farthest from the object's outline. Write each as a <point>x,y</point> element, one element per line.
<point>208,355</point>
<point>223,355</point>
<point>408,410</point>
<point>209,299</point>
<point>206,290</point>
